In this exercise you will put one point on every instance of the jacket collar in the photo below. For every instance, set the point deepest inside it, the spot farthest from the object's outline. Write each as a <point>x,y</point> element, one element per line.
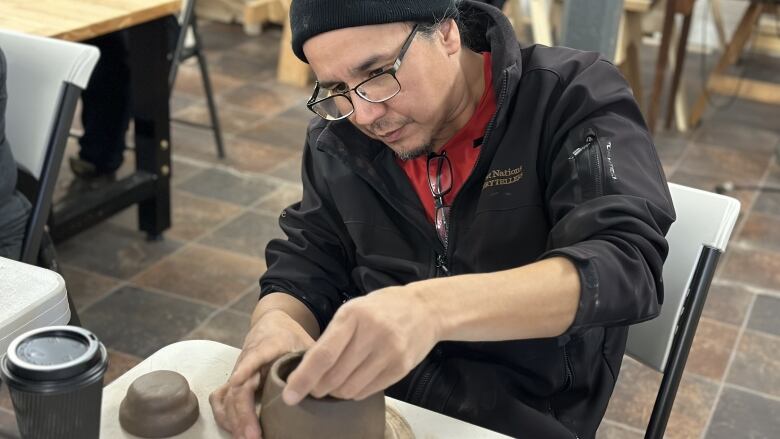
<point>488,30</point>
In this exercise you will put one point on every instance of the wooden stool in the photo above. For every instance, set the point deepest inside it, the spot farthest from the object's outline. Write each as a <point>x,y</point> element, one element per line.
<point>719,83</point>
<point>629,44</point>
<point>290,70</point>
<point>673,7</point>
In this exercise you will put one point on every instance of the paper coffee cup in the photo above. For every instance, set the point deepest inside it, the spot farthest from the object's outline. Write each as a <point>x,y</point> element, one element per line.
<point>55,378</point>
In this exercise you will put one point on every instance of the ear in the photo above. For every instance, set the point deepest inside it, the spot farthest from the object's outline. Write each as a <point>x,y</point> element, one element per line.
<point>450,36</point>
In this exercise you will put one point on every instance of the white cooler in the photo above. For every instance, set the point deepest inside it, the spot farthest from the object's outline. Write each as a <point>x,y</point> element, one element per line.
<point>30,297</point>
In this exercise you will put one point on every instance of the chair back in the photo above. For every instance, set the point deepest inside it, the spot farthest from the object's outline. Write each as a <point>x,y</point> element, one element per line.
<point>704,220</point>
<point>39,69</point>
<point>696,241</point>
<point>44,81</point>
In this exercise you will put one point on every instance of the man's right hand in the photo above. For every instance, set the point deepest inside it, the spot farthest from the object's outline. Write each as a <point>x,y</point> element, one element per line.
<point>272,335</point>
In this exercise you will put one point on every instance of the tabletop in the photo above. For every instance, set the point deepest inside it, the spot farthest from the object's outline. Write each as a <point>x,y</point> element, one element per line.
<point>78,20</point>
<point>30,298</point>
<point>207,365</point>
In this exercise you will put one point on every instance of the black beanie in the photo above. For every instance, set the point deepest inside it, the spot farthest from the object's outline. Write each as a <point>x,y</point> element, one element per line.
<point>309,18</point>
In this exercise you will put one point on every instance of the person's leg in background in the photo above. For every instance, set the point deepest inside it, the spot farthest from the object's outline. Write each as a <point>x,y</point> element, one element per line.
<point>107,105</point>
<point>106,110</point>
<point>14,213</point>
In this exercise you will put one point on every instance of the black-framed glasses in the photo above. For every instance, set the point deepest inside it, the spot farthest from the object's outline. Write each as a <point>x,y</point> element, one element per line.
<point>332,104</point>
<point>440,183</point>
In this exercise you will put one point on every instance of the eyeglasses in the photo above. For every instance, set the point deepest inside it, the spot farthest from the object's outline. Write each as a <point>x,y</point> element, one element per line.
<point>440,183</point>
<point>331,104</point>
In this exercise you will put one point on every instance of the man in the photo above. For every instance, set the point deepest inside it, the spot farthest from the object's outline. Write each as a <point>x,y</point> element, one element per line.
<point>14,208</point>
<point>504,207</point>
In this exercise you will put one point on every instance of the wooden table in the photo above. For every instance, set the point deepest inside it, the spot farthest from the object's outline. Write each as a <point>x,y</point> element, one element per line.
<point>207,365</point>
<point>79,20</point>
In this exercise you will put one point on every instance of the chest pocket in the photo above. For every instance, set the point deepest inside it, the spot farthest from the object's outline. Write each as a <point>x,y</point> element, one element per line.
<point>508,188</point>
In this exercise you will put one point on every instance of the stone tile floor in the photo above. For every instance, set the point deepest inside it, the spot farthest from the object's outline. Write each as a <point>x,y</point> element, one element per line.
<point>201,281</point>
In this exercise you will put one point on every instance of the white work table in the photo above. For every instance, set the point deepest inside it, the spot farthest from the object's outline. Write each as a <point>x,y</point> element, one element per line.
<point>207,364</point>
<point>30,297</point>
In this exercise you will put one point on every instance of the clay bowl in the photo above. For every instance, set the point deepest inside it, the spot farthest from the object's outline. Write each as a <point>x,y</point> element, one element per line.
<point>317,418</point>
<point>158,404</point>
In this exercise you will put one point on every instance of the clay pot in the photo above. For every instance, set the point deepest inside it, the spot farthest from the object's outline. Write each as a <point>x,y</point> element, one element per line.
<point>317,418</point>
<point>158,404</point>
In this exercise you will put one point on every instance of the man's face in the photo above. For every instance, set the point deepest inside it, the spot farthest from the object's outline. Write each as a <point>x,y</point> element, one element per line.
<point>411,122</point>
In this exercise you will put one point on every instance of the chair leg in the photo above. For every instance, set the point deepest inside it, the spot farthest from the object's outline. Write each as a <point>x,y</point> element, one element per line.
<point>212,106</point>
<point>204,74</point>
<point>47,258</point>
<point>74,315</point>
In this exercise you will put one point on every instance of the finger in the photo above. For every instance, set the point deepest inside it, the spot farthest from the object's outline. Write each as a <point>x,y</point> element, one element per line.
<point>360,378</point>
<point>353,357</point>
<point>252,361</point>
<point>230,415</point>
<point>318,360</point>
<point>217,402</point>
<point>247,424</point>
<point>380,382</point>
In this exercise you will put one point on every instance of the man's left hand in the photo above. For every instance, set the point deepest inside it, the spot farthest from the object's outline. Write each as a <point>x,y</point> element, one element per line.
<point>372,342</point>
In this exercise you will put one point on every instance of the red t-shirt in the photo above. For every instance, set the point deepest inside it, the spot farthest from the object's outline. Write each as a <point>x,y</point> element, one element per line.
<point>460,149</point>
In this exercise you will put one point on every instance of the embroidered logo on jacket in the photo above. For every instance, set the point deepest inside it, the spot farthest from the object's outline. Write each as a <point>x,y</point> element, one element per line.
<point>498,177</point>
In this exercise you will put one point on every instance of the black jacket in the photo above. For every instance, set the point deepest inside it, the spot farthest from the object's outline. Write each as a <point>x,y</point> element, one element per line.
<point>567,168</point>
<point>7,163</point>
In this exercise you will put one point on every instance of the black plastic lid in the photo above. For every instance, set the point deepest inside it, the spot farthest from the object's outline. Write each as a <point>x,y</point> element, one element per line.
<point>53,353</point>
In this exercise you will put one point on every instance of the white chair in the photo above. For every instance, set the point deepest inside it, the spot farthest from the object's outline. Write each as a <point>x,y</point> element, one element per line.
<point>696,240</point>
<point>45,79</point>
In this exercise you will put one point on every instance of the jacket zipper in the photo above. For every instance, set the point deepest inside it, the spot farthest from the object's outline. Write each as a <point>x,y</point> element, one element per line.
<point>569,372</point>
<point>589,173</point>
<point>450,250</point>
<point>420,383</point>
<point>424,377</point>
<point>441,265</point>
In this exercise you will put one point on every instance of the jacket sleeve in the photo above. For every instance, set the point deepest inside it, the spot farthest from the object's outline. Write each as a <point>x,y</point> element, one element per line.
<point>607,197</point>
<point>312,263</point>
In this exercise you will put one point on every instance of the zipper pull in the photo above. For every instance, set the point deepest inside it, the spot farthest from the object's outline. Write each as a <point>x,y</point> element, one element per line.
<point>345,297</point>
<point>441,263</point>
<point>588,140</point>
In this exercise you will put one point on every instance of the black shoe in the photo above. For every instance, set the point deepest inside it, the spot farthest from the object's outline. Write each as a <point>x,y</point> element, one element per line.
<point>87,171</point>
<point>87,177</point>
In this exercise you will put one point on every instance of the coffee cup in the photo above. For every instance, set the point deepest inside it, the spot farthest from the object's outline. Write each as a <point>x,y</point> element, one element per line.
<point>55,378</point>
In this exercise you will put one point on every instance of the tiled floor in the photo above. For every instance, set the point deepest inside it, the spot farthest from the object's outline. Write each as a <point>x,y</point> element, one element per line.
<point>201,281</point>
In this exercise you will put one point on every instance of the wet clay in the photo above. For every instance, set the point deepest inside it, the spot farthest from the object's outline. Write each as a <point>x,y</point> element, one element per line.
<point>317,418</point>
<point>158,404</point>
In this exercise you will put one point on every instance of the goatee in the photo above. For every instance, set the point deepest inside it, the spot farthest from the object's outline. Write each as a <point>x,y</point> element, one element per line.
<point>412,154</point>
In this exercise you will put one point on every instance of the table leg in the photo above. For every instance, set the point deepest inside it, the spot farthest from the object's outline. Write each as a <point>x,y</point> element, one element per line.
<point>540,22</point>
<point>682,44</point>
<point>632,40</point>
<point>290,70</point>
<point>660,65</point>
<point>730,55</point>
<point>150,65</point>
